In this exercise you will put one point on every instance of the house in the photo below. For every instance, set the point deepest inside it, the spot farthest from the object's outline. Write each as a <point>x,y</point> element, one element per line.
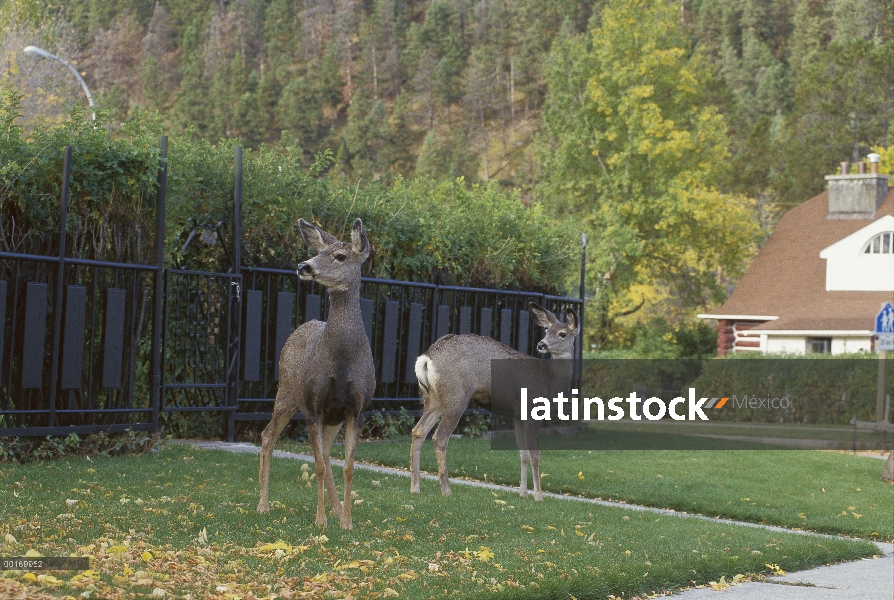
<point>822,276</point>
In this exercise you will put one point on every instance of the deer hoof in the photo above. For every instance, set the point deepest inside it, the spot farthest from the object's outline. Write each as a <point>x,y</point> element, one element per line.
<point>346,523</point>
<point>321,520</point>
<point>263,508</point>
<point>538,497</point>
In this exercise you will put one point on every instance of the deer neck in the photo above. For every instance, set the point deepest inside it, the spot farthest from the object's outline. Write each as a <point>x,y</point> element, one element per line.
<point>344,322</point>
<point>562,366</point>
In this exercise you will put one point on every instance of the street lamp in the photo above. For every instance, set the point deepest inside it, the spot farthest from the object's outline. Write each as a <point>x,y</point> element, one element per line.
<point>35,51</point>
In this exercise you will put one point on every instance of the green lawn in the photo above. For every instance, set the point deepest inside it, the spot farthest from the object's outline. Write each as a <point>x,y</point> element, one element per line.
<point>142,520</point>
<point>828,492</point>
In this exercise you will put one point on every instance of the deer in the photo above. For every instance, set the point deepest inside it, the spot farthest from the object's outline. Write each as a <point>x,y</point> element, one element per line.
<point>457,369</point>
<point>326,368</point>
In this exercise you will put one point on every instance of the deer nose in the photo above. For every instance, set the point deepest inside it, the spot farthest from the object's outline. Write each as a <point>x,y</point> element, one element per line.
<point>305,270</point>
<point>542,347</point>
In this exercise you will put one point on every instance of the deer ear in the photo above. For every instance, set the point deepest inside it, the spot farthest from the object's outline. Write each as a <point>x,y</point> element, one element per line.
<point>315,237</point>
<point>359,241</point>
<point>571,320</point>
<point>543,317</point>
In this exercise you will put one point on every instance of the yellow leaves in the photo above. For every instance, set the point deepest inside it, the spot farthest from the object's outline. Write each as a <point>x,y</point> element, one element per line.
<point>628,552</point>
<point>32,553</point>
<point>527,528</point>
<point>116,549</point>
<point>390,593</point>
<point>10,539</point>
<point>856,515</point>
<point>775,569</point>
<point>550,528</point>
<point>500,502</point>
<point>580,475</point>
<point>85,577</point>
<point>29,577</point>
<point>719,586</point>
<point>146,556</point>
<point>409,576</point>
<point>400,519</point>
<point>484,554</point>
<point>579,533</point>
<point>278,545</point>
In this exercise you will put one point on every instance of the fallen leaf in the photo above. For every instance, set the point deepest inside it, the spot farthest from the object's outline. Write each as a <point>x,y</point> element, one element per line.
<point>718,586</point>
<point>484,554</point>
<point>390,593</point>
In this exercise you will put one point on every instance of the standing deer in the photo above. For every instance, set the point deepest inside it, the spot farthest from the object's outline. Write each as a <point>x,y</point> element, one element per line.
<point>457,368</point>
<point>326,369</point>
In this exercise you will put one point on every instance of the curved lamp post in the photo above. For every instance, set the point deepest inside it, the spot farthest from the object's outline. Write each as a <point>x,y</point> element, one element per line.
<point>35,51</point>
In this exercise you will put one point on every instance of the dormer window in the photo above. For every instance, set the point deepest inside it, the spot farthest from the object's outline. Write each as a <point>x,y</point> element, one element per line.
<point>883,243</point>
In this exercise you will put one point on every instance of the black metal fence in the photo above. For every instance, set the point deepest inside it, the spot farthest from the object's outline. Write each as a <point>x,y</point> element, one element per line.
<point>89,346</point>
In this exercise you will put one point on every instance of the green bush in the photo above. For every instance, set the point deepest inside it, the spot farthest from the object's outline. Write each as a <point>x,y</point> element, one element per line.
<point>421,230</point>
<point>27,449</point>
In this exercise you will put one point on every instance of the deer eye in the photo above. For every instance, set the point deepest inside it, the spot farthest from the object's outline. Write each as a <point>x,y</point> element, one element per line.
<point>340,257</point>
<point>562,335</point>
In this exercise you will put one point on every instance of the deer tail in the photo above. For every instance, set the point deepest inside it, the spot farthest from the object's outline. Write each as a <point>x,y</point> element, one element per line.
<point>425,371</point>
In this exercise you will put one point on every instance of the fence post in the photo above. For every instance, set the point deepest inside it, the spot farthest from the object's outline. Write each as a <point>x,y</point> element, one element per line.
<point>158,304</point>
<point>583,301</point>
<point>233,377</point>
<point>60,284</point>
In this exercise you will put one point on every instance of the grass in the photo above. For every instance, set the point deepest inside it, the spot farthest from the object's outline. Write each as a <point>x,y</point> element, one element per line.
<point>828,492</point>
<point>142,518</point>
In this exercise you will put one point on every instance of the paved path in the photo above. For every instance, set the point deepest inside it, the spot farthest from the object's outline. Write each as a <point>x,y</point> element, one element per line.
<point>868,579</point>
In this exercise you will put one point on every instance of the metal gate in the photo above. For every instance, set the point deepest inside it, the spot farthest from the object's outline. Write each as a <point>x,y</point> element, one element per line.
<point>201,347</point>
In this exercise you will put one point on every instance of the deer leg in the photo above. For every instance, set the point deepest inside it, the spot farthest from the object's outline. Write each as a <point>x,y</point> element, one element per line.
<point>420,431</point>
<point>535,474</point>
<point>440,439</point>
<point>279,420</point>
<point>329,433</point>
<point>315,436</point>
<point>351,434</point>
<point>531,433</point>
<point>525,456</point>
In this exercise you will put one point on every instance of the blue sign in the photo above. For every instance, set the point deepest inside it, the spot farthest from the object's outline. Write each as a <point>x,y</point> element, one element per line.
<point>884,322</point>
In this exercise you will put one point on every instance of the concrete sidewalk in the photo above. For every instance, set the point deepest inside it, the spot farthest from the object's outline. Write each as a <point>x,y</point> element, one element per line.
<point>868,579</point>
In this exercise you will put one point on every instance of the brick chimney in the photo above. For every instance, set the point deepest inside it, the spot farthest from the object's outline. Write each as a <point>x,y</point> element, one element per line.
<point>857,196</point>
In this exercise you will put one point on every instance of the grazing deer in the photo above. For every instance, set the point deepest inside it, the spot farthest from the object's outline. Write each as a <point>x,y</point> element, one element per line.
<point>326,369</point>
<point>457,368</point>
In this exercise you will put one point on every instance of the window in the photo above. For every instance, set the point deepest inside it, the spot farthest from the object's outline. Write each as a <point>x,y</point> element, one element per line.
<point>883,243</point>
<point>820,345</point>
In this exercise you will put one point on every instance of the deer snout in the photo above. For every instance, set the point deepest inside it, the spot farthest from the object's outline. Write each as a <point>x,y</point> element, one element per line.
<point>305,271</point>
<point>542,347</point>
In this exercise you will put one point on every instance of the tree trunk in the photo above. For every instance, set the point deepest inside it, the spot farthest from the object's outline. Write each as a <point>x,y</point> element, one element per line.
<point>888,475</point>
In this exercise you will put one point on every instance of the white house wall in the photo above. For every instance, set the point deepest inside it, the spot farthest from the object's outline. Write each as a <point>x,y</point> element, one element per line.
<point>848,268</point>
<point>851,345</point>
<point>785,344</point>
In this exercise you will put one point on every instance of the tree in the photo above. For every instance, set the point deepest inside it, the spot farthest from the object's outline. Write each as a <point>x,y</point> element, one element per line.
<point>633,155</point>
<point>447,160</point>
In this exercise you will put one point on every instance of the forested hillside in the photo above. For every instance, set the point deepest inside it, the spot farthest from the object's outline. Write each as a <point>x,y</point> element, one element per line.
<point>671,131</point>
